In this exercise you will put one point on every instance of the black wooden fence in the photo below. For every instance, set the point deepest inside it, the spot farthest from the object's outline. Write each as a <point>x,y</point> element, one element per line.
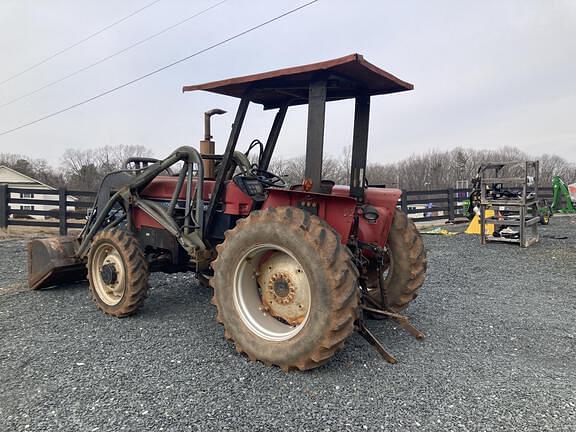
<point>68,209</point>
<point>58,208</point>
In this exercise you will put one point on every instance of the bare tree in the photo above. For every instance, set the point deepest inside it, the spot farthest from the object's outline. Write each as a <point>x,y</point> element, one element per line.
<point>336,169</point>
<point>35,168</point>
<point>84,169</point>
<point>437,169</point>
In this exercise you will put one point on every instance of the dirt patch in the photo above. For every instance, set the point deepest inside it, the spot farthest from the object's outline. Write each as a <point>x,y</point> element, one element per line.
<point>13,287</point>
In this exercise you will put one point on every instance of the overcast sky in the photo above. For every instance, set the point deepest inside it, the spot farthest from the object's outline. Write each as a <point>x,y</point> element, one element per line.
<point>486,73</point>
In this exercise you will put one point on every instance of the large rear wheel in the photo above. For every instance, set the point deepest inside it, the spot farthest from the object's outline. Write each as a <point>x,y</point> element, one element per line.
<point>405,266</point>
<point>117,272</point>
<point>285,288</point>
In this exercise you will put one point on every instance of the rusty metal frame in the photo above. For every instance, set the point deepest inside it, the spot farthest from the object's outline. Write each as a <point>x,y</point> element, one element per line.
<point>374,341</point>
<point>402,320</point>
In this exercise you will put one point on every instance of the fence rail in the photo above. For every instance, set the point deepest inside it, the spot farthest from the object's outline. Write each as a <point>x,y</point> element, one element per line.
<point>69,208</point>
<point>57,208</point>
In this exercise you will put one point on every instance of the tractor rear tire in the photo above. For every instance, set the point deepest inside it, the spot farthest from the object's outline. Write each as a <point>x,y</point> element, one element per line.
<point>117,272</point>
<point>285,288</point>
<point>407,266</point>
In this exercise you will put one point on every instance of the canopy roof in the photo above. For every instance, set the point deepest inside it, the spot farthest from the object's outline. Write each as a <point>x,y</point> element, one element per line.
<point>347,76</point>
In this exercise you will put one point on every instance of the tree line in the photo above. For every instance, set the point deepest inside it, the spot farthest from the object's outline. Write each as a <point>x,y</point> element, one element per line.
<point>434,169</point>
<point>84,169</point>
<point>78,169</point>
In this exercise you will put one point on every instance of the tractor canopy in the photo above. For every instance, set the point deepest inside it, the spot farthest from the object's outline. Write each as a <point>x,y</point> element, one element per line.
<point>347,77</point>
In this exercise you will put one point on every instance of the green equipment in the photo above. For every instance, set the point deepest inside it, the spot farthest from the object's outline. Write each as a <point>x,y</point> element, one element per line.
<point>560,190</point>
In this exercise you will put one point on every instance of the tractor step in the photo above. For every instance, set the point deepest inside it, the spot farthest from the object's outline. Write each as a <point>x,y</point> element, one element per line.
<point>402,320</point>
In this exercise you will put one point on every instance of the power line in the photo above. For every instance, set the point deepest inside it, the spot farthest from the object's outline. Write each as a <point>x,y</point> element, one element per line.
<point>163,68</point>
<point>102,60</point>
<point>81,41</point>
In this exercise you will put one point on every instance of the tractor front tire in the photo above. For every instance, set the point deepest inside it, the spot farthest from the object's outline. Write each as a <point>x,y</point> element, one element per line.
<point>285,288</point>
<point>117,272</point>
<point>406,269</point>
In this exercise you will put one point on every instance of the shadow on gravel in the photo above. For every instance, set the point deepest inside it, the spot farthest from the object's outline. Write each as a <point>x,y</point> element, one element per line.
<point>177,294</point>
<point>64,287</point>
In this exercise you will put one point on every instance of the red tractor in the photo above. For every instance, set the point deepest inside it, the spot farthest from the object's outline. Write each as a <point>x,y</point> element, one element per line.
<point>295,269</point>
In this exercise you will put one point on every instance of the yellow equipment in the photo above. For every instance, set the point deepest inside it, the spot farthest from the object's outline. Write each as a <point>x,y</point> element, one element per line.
<point>474,225</point>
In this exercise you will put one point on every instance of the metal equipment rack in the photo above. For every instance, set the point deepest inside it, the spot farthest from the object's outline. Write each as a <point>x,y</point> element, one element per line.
<point>519,212</point>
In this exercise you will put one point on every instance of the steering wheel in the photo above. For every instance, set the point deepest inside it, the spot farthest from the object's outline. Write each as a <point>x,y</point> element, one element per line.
<point>139,163</point>
<point>267,178</point>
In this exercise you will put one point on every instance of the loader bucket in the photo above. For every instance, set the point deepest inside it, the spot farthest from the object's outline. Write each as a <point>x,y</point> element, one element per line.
<point>54,260</point>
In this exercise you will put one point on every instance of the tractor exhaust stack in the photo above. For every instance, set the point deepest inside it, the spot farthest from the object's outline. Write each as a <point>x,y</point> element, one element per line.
<point>207,145</point>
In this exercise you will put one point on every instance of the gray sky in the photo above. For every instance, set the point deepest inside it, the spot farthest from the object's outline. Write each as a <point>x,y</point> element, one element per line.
<point>486,74</point>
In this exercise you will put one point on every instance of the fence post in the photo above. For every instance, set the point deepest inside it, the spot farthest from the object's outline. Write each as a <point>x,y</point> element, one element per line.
<point>404,202</point>
<point>451,209</point>
<point>4,195</point>
<point>62,211</point>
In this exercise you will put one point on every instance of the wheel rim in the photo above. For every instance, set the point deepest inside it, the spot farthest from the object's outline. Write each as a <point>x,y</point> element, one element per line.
<point>108,274</point>
<point>271,292</point>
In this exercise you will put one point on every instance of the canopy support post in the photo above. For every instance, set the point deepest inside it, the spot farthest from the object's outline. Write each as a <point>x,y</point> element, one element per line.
<point>273,137</point>
<point>359,147</point>
<point>315,135</point>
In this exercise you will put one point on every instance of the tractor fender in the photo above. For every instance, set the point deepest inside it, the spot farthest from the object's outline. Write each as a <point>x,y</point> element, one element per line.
<point>384,201</point>
<point>337,210</point>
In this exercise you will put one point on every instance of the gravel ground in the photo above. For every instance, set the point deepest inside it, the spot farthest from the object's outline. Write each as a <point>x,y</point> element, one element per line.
<point>500,354</point>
